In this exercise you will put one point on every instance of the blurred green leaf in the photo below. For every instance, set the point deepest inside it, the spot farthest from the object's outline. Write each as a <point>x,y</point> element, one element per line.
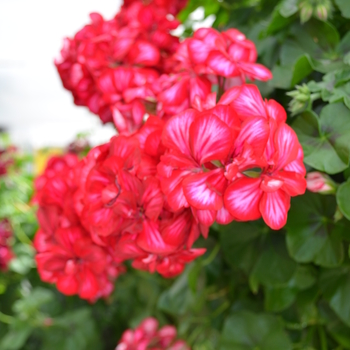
<point>246,331</point>
<point>312,236</point>
<point>335,286</point>
<point>16,336</point>
<point>325,140</point>
<point>344,6</point>
<point>343,198</point>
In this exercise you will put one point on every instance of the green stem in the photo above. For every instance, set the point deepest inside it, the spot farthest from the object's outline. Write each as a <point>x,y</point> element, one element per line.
<point>323,338</point>
<point>212,255</point>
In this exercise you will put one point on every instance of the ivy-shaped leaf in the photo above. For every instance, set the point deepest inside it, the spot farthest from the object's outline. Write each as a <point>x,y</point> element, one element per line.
<point>312,236</point>
<point>325,140</point>
<point>246,331</point>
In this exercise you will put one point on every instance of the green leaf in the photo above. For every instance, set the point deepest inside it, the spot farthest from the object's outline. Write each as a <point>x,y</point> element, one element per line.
<point>344,6</point>
<point>335,286</point>
<point>325,140</point>
<point>278,299</point>
<point>285,77</point>
<point>289,8</point>
<point>16,336</point>
<point>274,267</point>
<point>30,304</point>
<point>246,331</point>
<point>179,297</point>
<point>340,332</point>
<point>239,242</point>
<point>312,236</point>
<point>343,198</point>
<point>74,330</point>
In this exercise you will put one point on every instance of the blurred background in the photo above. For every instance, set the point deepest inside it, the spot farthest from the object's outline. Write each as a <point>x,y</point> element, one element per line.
<point>34,108</point>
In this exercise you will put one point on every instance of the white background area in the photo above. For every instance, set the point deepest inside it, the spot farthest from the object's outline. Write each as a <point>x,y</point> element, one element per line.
<point>34,106</point>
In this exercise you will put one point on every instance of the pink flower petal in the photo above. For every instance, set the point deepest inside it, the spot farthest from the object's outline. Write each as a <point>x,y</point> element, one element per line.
<point>205,190</point>
<point>210,139</point>
<point>274,208</point>
<point>242,199</point>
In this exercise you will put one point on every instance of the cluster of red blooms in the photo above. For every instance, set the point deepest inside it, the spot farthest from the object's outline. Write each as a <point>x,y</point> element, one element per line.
<point>67,255</point>
<point>5,251</point>
<point>131,66</point>
<point>148,336</point>
<point>181,160</point>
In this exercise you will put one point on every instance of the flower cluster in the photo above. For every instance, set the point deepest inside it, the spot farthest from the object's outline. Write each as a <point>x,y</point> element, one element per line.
<point>67,255</point>
<point>148,336</point>
<point>5,251</point>
<point>109,66</point>
<point>131,66</point>
<point>185,156</point>
<point>236,161</point>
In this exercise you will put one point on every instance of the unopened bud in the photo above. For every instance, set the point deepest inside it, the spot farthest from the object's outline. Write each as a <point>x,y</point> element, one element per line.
<point>320,183</point>
<point>321,12</point>
<point>306,10</point>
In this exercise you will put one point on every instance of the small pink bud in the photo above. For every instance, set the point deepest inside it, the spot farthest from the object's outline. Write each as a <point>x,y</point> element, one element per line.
<point>321,12</point>
<point>320,183</point>
<point>48,322</point>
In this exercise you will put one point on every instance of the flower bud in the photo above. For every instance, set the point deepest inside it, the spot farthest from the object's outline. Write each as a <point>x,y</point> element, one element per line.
<point>306,10</point>
<point>320,183</point>
<point>321,12</point>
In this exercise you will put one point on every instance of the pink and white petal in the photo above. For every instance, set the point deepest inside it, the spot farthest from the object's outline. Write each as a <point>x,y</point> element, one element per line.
<point>223,217</point>
<point>230,95</point>
<point>274,208</point>
<point>210,139</point>
<point>205,217</point>
<point>205,190</point>
<point>174,231</point>
<point>256,71</point>
<point>293,183</point>
<point>249,102</point>
<point>197,50</point>
<point>286,146</point>
<point>276,111</point>
<point>222,65</point>
<point>151,240</point>
<point>297,165</point>
<point>227,115</point>
<point>242,199</point>
<point>176,134</point>
<point>176,94</point>
<point>255,131</point>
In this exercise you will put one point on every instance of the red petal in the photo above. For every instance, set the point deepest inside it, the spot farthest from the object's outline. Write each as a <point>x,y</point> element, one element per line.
<point>205,217</point>
<point>287,146</point>
<point>276,111</point>
<point>151,240</point>
<point>255,131</point>
<point>249,102</point>
<point>294,183</point>
<point>274,207</point>
<point>210,139</point>
<point>89,287</point>
<point>67,285</point>
<point>256,71</point>
<point>223,217</point>
<point>242,199</point>
<point>176,134</point>
<point>221,65</point>
<point>205,190</point>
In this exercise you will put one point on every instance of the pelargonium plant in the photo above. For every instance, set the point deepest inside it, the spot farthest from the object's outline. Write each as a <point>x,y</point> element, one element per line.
<point>185,156</point>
